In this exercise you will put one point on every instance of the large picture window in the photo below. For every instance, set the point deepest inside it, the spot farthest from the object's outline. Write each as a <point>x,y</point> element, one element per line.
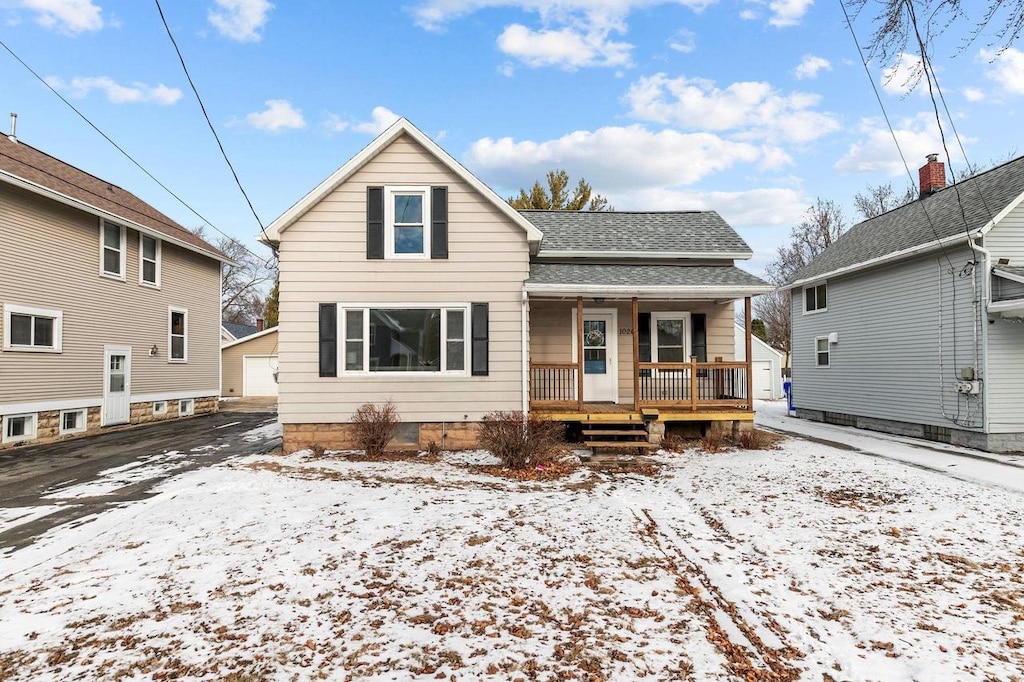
<point>406,222</point>
<point>405,340</point>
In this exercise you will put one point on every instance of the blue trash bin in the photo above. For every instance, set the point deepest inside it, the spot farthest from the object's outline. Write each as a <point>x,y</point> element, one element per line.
<point>787,387</point>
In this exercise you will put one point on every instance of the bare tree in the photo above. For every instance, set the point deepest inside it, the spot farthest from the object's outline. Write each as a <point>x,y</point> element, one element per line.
<point>244,284</point>
<point>878,199</point>
<point>557,198</point>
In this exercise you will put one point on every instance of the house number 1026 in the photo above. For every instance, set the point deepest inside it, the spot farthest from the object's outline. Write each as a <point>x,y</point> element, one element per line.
<point>625,331</point>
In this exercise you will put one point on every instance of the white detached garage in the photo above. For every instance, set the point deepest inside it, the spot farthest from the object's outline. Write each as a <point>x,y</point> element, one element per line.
<point>766,365</point>
<point>249,365</point>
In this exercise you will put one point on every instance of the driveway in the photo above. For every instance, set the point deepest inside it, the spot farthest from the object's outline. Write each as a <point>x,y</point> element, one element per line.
<point>45,486</point>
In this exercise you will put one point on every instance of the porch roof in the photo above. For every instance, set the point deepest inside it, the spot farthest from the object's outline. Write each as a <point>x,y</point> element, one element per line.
<point>675,281</point>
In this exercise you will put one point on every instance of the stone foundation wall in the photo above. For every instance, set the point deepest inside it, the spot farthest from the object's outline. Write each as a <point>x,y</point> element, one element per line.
<point>456,436</point>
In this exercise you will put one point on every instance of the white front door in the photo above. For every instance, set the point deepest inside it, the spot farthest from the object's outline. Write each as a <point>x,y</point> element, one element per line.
<point>600,355</point>
<point>117,384</point>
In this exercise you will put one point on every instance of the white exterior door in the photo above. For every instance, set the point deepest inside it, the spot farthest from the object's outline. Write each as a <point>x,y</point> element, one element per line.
<point>258,375</point>
<point>600,356</point>
<point>117,385</point>
<point>762,383</point>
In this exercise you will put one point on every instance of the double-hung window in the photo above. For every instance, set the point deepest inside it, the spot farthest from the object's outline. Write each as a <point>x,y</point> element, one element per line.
<point>815,298</point>
<point>149,260</point>
<point>36,330</point>
<point>112,250</point>
<point>178,335</point>
<point>394,339</point>
<point>406,222</point>
<point>821,351</point>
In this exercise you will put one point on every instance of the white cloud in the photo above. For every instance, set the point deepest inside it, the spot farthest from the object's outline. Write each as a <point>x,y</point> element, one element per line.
<point>507,69</point>
<point>788,12</point>
<point>68,16</point>
<point>116,93</point>
<point>903,76</point>
<point>279,115</point>
<point>241,20</point>
<point>434,14</point>
<point>684,41</point>
<point>1007,69</point>
<point>381,119</point>
<point>751,109</point>
<point>763,206</point>
<point>876,152</point>
<point>613,159</point>
<point>567,47</point>
<point>335,124</point>
<point>974,94</point>
<point>811,65</point>
<point>749,15</point>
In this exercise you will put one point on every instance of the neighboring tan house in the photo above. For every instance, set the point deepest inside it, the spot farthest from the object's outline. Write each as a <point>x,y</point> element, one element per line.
<point>111,310</point>
<point>767,365</point>
<point>233,331</point>
<point>911,322</point>
<point>249,365</point>
<point>403,277</point>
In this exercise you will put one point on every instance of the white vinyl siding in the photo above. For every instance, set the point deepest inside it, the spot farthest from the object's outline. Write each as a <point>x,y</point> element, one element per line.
<point>1005,383</point>
<point>323,260</point>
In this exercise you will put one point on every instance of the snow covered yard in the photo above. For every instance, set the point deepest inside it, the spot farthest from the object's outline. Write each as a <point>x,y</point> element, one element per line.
<point>807,562</point>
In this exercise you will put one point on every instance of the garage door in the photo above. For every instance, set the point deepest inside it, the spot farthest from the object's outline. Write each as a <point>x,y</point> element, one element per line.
<point>762,370</point>
<point>258,375</point>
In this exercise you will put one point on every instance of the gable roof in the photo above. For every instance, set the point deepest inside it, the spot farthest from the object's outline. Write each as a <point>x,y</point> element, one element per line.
<point>923,224</point>
<point>637,234</point>
<point>696,281</point>
<point>29,168</point>
<point>238,331</point>
<point>397,129</point>
<point>250,337</point>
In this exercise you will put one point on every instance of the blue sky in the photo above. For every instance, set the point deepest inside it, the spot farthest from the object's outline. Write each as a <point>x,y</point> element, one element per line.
<point>749,107</point>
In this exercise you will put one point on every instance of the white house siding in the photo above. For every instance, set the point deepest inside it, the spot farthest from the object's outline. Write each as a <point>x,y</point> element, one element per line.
<point>1006,239</point>
<point>886,363</point>
<point>1006,338</point>
<point>50,259</point>
<point>323,260</point>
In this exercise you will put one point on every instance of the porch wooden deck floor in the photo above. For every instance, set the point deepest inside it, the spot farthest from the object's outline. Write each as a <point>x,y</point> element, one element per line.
<point>610,412</point>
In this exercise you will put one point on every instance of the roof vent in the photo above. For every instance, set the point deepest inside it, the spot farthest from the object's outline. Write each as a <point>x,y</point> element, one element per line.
<point>14,128</point>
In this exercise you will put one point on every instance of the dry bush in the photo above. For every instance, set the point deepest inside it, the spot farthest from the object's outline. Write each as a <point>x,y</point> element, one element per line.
<point>672,443</point>
<point>433,449</point>
<point>519,443</point>
<point>317,449</point>
<point>374,426</point>
<point>756,439</point>
<point>713,441</point>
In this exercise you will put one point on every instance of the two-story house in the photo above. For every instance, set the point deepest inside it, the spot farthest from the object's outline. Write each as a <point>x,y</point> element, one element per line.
<point>110,309</point>
<point>403,277</point>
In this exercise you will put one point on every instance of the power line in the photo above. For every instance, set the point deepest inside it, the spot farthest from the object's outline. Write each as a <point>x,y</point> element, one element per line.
<point>213,130</point>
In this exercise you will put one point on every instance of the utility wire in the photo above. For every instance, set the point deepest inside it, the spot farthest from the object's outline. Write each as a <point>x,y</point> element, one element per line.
<point>213,130</point>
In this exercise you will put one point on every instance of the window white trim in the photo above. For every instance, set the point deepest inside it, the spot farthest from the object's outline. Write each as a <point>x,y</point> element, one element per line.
<point>58,328</point>
<point>687,332</point>
<point>159,407</point>
<point>816,309</point>
<point>186,407</point>
<point>467,319</point>
<point>171,310</point>
<point>827,352</point>
<point>156,263</point>
<point>389,220</point>
<point>31,422</point>
<point>83,418</point>
<point>122,251</point>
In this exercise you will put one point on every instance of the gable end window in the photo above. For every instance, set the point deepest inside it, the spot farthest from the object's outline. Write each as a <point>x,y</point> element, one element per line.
<point>177,334</point>
<point>821,352</point>
<point>815,298</point>
<point>35,330</point>
<point>406,222</point>
<point>149,260</point>
<point>112,250</point>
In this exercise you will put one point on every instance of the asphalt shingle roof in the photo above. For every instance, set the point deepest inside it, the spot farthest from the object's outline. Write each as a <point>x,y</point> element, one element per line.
<point>599,274</point>
<point>28,163</point>
<point>698,232</point>
<point>239,331</point>
<point>923,221</point>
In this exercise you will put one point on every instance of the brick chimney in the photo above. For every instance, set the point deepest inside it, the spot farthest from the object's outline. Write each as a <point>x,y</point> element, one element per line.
<point>259,324</point>
<point>932,175</point>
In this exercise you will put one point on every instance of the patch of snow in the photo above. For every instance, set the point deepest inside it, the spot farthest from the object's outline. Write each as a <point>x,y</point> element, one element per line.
<point>264,432</point>
<point>110,480</point>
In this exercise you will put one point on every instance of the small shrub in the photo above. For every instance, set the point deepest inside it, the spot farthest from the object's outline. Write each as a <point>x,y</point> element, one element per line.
<point>316,449</point>
<point>713,441</point>
<point>672,443</point>
<point>374,426</point>
<point>433,449</point>
<point>756,439</point>
<point>519,445</point>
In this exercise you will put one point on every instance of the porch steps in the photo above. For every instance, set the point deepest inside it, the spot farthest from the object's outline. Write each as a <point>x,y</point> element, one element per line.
<point>621,435</point>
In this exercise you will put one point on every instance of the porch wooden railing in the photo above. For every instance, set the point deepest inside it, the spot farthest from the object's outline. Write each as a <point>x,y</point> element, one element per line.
<point>554,384</point>
<point>694,384</point>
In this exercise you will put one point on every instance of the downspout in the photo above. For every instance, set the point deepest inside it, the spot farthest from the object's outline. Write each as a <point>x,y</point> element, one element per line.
<point>524,352</point>
<point>982,319</point>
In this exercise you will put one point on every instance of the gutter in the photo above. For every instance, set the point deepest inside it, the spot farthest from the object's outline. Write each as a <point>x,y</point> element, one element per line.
<point>604,290</point>
<point>646,255</point>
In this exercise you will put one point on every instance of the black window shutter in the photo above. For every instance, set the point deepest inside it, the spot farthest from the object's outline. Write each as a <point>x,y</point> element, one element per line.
<point>328,339</point>
<point>480,340</point>
<point>699,345</point>
<point>438,222</point>
<point>375,222</point>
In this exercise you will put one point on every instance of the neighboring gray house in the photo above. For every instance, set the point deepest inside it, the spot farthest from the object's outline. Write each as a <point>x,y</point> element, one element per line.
<point>911,322</point>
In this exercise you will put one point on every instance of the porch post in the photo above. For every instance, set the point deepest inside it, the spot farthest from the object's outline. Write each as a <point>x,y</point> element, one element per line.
<point>579,353</point>
<point>693,383</point>
<point>636,355</point>
<point>747,324</point>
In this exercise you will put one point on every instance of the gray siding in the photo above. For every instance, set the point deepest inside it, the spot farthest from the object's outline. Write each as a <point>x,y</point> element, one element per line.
<point>1006,338</point>
<point>49,258</point>
<point>886,364</point>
